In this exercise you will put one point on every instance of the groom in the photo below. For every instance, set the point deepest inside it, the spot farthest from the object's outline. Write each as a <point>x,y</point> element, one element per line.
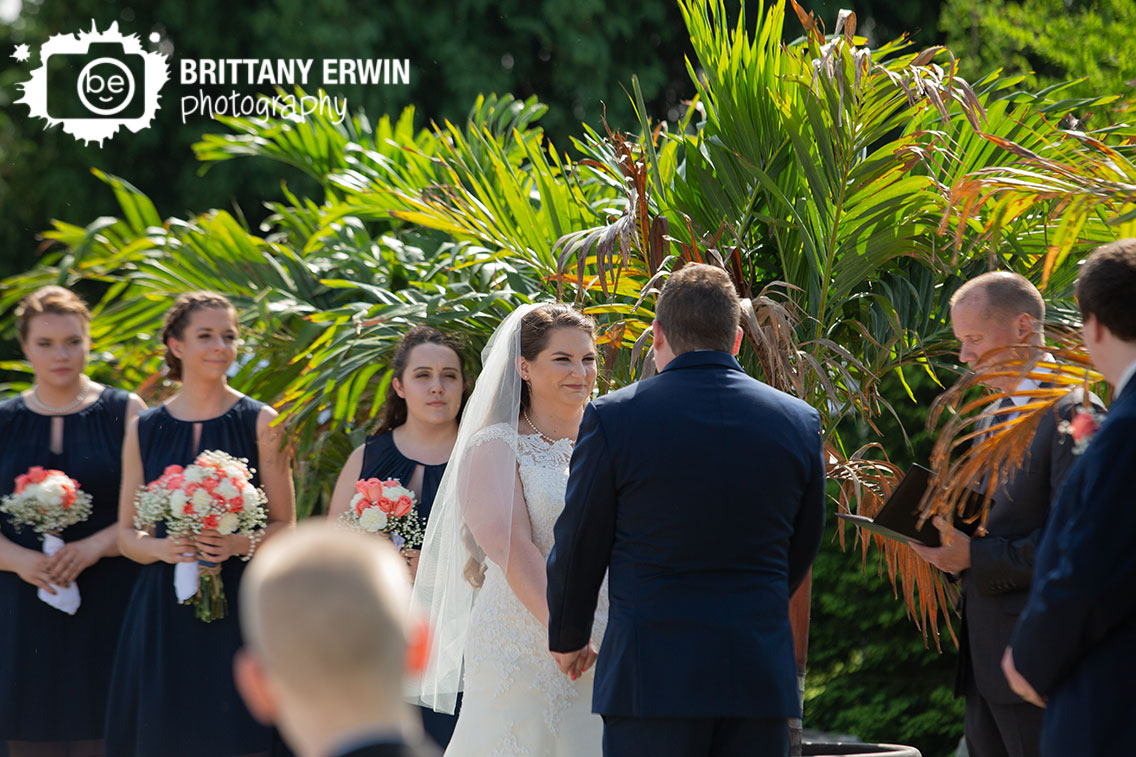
<point>701,492</point>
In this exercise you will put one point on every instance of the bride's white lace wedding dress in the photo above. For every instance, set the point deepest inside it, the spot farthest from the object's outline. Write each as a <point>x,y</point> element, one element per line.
<point>516,701</point>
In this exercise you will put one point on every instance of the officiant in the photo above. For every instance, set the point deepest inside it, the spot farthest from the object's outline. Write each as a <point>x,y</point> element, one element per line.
<point>997,318</point>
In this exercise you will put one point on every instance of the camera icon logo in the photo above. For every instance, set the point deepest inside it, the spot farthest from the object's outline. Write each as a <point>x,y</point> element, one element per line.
<point>95,83</point>
<point>105,82</point>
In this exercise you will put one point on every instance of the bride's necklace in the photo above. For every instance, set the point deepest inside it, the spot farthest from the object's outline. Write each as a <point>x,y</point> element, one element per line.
<point>66,408</point>
<point>540,433</point>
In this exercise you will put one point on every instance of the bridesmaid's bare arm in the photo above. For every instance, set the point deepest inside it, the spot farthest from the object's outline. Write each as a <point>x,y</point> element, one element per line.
<point>275,472</point>
<point>140,546</point>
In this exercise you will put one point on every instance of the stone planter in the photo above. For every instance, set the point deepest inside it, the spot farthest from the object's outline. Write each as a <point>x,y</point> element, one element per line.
<point>822,749</point>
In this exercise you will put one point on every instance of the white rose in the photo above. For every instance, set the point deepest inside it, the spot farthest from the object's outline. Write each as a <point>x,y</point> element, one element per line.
<point>202,500</point>
<point>194,474</point>
<point>226,490</point>
<point>177,501</point>
<point>234,471</point>
<point>250,496</point>
<point>35,491</point>
<point>228,523</point>
<point>373,519</point>
<point>52,493</point>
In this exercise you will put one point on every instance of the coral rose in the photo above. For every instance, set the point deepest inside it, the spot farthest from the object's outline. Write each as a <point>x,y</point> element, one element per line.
<point>372,489</point>
<point>1083,426</point>
<point>402,507</point>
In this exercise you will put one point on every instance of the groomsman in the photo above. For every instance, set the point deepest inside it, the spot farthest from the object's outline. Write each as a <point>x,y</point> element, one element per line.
<point>990,314</point>
<point>701,492</point>
<point>324,613</point>
<point>1075,644</point>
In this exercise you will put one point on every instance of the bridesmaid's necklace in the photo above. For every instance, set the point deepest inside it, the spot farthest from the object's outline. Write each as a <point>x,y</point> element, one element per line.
<point>66,408</point>
<point>532,425</point>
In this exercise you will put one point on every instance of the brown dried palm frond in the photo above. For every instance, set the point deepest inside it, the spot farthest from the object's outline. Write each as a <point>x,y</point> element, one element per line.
<point>770,325</point>
<point>968,457</point>
<point>864,485</point>
<point>635,230</point>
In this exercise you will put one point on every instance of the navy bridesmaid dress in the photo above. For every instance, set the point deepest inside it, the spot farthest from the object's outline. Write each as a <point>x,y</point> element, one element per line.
<point>54,667</point>
<point>172,691</point>
<point>383,460</point>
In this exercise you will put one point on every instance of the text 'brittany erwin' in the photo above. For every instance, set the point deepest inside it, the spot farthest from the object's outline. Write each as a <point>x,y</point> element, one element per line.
<point>294,71</point>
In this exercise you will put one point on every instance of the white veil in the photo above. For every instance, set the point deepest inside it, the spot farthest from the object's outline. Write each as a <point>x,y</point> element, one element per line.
<point>471,517</point>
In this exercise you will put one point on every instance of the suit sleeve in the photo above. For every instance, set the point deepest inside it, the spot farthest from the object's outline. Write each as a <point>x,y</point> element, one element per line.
<point>1089,565</point>
<point>1000,565</point>
<point>808,528</point>
<point>583,539</point>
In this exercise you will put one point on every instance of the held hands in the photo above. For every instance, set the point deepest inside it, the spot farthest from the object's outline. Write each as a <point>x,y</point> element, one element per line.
<point>1018,682</point>
<point>575,664</point>
<point>175,549</point>
<point>952,557</point>
<point>72,559</point>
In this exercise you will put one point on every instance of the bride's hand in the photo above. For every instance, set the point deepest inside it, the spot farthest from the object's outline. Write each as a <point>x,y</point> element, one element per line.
<point>585,660</point>
<point>575,664</point>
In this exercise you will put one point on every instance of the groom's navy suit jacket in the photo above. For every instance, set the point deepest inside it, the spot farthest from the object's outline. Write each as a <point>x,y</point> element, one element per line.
<point>1076,639</point>
<point>701,492</point>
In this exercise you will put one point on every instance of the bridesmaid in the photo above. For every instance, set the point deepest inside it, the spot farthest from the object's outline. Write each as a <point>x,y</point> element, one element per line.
<point>172,692</point>
<point>54,667</point>
<point>413,442</point>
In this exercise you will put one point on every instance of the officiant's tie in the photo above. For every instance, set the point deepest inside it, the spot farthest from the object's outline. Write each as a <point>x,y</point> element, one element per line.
<point>992,419</point>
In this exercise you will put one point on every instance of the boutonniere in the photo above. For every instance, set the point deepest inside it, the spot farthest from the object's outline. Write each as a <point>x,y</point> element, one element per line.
<point>1082,428</point>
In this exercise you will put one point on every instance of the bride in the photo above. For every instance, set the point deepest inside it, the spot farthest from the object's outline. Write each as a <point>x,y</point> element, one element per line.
<point>482,570</point>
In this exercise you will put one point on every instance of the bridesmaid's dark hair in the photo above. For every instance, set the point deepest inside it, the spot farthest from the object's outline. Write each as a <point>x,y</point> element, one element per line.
<point>50,299</point>
<point>394,407</point>
<point>177,318</point>
<point>539,323</point>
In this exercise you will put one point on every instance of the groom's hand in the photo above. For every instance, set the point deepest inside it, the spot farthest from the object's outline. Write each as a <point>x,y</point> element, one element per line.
<point>1018,682</point>
<point>575,664</point>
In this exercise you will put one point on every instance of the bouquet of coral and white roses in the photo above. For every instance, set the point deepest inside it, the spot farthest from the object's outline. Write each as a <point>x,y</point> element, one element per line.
<point>213,493</point>
<point>49,501</point>
<point>385,507</point>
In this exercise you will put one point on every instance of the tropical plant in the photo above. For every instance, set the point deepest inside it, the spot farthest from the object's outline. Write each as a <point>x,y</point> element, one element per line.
<point>1083,186</point>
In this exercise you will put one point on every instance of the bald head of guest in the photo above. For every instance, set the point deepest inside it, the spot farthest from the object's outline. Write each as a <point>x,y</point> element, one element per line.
<point>992,313</point>
<point>325,615</point>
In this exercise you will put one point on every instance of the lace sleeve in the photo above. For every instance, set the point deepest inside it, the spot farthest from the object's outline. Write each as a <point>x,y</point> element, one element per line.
<point>501,431</point>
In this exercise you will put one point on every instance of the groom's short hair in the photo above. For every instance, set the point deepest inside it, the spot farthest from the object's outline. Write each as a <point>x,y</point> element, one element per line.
<point>1106,288</point>
<point>698,309</point>
<point>325,612</point>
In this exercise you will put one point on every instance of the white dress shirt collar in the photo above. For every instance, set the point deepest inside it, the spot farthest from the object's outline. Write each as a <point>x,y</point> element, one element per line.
<point>1125,378</point>
<point>1031,384</point>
